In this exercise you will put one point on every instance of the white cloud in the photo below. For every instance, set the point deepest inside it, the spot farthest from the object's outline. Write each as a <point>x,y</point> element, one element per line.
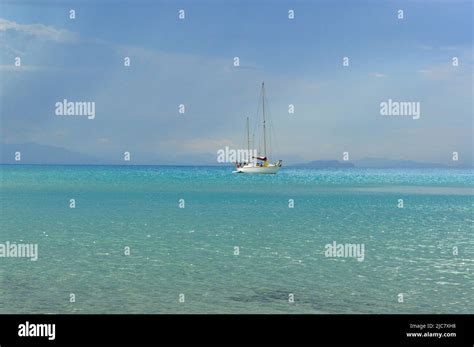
<point>425,47</point>
<point>200,144</point>
<point>377,75</point>
<point>439,72</point>
<point>39,30</point>
<point>25,68</point>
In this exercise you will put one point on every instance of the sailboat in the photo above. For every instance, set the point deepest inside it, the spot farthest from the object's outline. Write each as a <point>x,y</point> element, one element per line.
<point>260,164</point>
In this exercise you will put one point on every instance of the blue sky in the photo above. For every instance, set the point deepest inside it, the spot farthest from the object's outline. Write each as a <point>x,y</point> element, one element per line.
<point>190,61</point>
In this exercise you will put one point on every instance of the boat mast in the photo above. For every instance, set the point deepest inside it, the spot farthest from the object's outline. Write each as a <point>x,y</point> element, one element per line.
<point>264,130</point>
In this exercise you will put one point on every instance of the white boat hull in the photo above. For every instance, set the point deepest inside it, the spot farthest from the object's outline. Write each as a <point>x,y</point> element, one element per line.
<point>271,169</point>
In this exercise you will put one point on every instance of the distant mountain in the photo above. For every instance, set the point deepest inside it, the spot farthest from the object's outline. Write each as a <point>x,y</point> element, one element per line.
<point>383,163</point>
<point>376,163</point>
<point>33,153</point>
<point>324,164</point>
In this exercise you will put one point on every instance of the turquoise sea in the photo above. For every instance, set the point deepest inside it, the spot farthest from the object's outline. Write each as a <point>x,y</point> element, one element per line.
<point>190,250</point>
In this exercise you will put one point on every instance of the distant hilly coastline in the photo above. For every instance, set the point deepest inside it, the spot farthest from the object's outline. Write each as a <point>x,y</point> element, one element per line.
<point>324,164</point>
<point>383,163</point>
<point>375,163</point>
<point>33,153</point>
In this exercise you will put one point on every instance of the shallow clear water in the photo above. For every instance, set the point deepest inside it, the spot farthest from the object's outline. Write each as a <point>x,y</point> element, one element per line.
<point>191,250</point>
